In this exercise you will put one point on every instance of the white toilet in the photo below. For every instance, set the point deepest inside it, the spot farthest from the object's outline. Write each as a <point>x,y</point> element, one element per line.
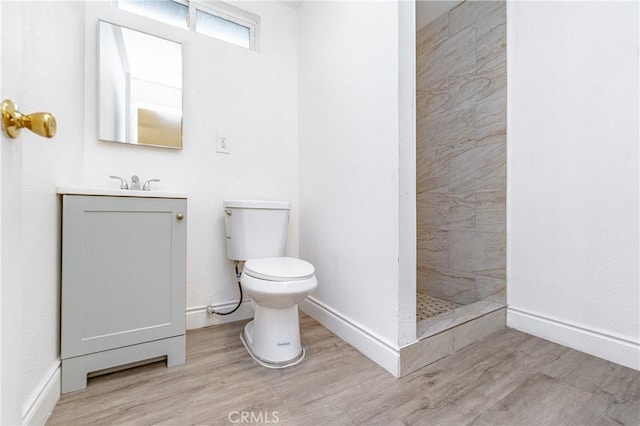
<point>256,233</point>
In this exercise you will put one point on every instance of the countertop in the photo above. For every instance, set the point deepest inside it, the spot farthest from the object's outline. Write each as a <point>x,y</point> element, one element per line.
<point>114,192</point>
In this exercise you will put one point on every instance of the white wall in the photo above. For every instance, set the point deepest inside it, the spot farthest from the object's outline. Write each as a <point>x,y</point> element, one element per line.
<point>52,80</point>
<point>11,225</point>
<point>573,185</point>
<point>349,102</point>
<point>249,97</point>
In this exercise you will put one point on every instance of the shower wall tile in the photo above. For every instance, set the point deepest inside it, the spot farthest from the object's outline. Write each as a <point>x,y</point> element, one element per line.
<point>455,286</point>
<point>491,200</point>
<point>491,220</point>
<point>434,100</point>
<point>455,55</point>
<point>433,173</point>
<point>453,127</point>
<point>433,249</point>
<point>428,38</point>
<point>476,251</point>
<point>470,13</point>
<point>466,90</point>
<point>491,35</point>
<point>495,17</point>
<point>491,289</point>
<point>461,153</point>
<point>479,169</point>
<point>491,119</point>
<point>446,212</point>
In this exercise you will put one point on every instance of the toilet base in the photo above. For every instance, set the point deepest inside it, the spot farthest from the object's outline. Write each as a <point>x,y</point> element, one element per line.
<point>246,337</point>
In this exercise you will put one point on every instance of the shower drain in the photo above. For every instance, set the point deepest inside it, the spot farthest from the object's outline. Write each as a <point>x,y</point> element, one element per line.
<point>429,306</point>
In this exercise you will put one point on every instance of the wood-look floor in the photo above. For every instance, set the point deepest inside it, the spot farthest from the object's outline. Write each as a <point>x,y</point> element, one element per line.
<point>510,378</point>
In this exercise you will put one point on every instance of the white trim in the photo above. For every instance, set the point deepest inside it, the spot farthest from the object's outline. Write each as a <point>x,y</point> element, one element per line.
<point>198,317</point>
<point>366,341</point>
<point>597,343</point>
<point>38,410</point>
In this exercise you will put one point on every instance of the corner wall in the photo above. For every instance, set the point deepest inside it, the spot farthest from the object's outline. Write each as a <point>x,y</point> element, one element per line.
<point>350,107</point>
<point>573,206</point>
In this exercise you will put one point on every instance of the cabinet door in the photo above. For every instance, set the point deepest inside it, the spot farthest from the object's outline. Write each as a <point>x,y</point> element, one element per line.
<point>123,271</point>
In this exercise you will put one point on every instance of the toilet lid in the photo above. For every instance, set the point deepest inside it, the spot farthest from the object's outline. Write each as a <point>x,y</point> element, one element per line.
<point>278,269</point>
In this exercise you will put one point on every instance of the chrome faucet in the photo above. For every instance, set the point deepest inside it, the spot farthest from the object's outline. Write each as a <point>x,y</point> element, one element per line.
<point>135,183</point>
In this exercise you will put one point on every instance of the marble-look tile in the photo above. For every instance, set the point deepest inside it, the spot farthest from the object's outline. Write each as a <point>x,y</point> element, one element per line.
<point>437,211</point>
<point>476,251</point>
<point>426,40</point>
<point>425,352</point>
<point>465,90</point>
<point>491,289</point>
<point>461,150</point>
<point>449,285</point>
<point>470,12</point>
<point>491,200</point>
<point>432,172</point>
<point>496,16</point>
<point>434,100</point>
<point>473,331</point>
<point>494,62</point>
<point>482,168</point>
<point>433,249</point>
<point>453,56</point>
<point>455,317</point>
<point>491,119</point>
<point>491,37</point>
<point>497,273</point>
<point>453,127</point>
<point>491,220</point>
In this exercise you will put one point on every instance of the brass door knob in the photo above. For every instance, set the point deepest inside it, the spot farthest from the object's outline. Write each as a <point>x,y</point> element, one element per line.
<point>179,216</point>
<point>41,123</point>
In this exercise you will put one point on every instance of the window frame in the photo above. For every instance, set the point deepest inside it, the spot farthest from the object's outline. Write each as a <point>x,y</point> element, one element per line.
<point>221,10</point>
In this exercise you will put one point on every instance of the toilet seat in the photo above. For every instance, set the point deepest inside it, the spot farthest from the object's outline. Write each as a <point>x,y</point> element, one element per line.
<point>280,269</point>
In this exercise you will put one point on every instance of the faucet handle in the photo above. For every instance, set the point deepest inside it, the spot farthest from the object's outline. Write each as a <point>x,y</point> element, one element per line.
<point>123,182</point>
<point>147,184</point>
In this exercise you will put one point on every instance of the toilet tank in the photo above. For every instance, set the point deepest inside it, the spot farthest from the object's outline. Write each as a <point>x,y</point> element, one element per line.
<point>255,229</point>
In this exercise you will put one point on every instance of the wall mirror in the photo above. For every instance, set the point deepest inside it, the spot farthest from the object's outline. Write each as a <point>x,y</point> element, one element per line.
<point>140,93</point>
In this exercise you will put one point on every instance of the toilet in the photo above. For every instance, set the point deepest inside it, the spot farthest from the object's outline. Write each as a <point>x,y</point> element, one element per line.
<point>256,233</point>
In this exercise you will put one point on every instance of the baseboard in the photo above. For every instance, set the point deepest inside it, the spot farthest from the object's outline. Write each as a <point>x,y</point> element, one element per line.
<point>365,341</point>
<point>198,317</point>
<point>38,410</point>
<point>596,343</point>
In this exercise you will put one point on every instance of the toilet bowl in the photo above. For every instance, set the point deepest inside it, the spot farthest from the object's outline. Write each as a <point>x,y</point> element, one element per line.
<point>256,234</point>
<point>276,286</point>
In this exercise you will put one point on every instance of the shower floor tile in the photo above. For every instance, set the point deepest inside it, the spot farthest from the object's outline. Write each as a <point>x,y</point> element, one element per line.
<point>429,306</point>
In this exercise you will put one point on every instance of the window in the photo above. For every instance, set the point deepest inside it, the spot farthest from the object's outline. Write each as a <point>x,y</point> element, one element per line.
<point>214,19</point>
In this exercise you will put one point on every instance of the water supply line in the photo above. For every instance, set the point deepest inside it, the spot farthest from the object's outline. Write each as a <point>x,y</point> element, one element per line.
<point>212,310</point>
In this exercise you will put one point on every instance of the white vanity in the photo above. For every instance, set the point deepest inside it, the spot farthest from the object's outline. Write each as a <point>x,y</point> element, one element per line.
<point>123,280</point>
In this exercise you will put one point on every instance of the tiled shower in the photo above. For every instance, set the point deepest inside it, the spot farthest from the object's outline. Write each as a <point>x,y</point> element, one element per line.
<point>461,163</point>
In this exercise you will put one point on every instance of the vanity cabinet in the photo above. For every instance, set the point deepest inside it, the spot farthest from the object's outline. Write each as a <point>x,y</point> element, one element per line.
<point>123,283</point>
